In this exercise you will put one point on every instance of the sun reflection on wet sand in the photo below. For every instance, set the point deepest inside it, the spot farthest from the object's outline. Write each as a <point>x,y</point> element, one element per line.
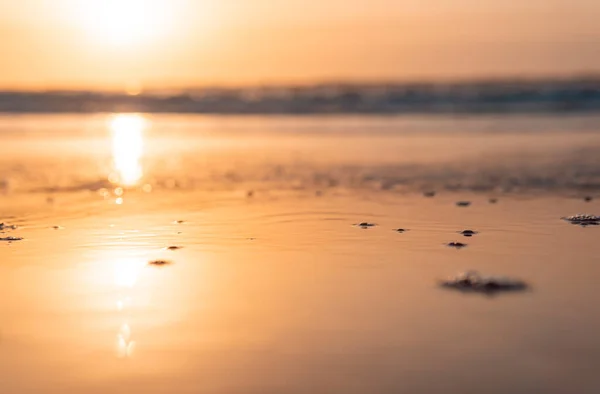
<point>126,273</point>
<point>127,148</point>
<point>125,345</point>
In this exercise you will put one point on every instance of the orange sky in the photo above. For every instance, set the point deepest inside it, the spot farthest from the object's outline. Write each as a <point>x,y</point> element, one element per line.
<point>79,44</point>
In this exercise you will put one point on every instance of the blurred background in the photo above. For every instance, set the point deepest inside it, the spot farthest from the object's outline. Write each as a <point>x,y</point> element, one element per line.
<point>136,45</point>
<point>265,196</point>
<point>519,78</point>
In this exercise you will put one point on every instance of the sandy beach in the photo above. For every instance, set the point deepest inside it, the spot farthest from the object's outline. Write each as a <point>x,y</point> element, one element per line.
<point>299,197</point>
<point>269,286</point>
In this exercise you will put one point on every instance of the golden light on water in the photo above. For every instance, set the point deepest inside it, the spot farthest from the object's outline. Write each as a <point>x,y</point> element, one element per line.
<point>125,345</point>
<point>127,148</point>
<point>126,274</point>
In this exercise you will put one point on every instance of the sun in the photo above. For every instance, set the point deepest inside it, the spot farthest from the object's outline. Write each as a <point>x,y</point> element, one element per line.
<point>125,22</point>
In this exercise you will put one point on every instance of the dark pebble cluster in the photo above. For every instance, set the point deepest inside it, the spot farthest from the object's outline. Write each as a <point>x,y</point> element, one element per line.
<point>472,281</point>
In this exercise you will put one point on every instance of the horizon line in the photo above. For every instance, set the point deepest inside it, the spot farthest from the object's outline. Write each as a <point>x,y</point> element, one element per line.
<point>357,83</point>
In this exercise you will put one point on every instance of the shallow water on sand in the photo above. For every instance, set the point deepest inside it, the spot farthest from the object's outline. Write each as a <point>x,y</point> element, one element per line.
<point>280,291</point>
<point>516,154</point>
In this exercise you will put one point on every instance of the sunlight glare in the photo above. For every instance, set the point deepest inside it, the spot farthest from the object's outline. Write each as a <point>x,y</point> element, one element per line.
<point>125,22</point>
<point>125,346</point>
<point>126,272</point>
<point>127,147</point>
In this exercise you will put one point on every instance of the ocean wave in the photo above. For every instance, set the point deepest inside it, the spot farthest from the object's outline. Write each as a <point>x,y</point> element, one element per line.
<point>548,96</point>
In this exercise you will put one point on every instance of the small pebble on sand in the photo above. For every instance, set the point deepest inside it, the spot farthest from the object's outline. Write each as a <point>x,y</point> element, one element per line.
<point>463,203</point>
<point>457,245</point>
<point>583,220</point>
<point>11,239</point>
<point>365,225</point>
<point>468,233</point>
<point>159,263</point>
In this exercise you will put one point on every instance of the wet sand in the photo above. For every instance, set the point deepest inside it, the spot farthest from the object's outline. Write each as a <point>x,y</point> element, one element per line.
<point>280,291</point>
